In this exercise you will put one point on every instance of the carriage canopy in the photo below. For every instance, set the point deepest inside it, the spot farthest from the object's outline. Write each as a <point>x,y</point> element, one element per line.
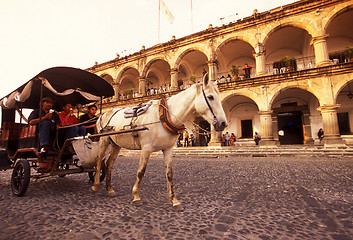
<point>63,84</point>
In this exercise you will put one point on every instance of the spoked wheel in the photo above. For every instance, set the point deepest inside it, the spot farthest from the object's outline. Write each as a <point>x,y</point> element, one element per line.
<point>20,178</point>
<point>92,175</point>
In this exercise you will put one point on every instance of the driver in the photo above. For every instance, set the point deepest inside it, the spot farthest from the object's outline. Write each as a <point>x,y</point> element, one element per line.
<point>49,122</point>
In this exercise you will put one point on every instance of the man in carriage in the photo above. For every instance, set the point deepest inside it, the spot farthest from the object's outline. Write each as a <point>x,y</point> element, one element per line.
<point>49,122</point>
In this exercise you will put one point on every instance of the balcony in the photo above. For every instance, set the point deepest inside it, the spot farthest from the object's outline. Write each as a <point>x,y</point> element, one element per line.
<point>285,76</point>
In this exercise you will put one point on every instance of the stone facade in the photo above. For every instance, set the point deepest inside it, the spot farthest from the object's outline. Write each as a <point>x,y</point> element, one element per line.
<point>301,78</point>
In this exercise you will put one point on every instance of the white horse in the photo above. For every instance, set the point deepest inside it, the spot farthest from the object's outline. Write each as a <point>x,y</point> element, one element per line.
<point>200,99</point>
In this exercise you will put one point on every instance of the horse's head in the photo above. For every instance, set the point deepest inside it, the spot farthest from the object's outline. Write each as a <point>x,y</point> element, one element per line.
<point>209,106</point>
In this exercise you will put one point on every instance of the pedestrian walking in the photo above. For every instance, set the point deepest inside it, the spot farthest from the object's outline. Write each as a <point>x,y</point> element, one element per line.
<point>257,138</point>
<point>320,134</point>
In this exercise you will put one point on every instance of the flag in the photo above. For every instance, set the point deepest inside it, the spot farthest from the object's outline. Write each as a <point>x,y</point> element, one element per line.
<point>166,12</point>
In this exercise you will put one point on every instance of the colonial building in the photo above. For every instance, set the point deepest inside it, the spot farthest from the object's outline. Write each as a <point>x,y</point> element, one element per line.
<point>300,80</point>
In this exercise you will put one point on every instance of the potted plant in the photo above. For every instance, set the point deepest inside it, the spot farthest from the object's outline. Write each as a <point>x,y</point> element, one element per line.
<point>129,92</point>
<point>349,54</point>
<point>289,63</point>
<point>193,78</point>
<point>235,72</point>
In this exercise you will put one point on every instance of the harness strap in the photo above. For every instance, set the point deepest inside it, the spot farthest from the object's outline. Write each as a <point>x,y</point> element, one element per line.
<point>165,117</point>
<point>208,104</point>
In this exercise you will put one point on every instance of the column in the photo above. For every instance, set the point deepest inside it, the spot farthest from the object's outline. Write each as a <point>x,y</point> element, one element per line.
<point>173,79</point>
<point>260,64</point>
<point>321,52</point>
<point>216,138</point>
<point>266,129</point>
<point>212,70</point>
<point>142,86</point>
<point>308,139</point>
<point>330,125</point>
<point>260,60</point>
<point>116,91</point>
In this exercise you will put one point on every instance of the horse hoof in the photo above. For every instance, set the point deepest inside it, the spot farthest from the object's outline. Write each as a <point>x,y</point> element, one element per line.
<point>94,188</point>
<point>137,203</point>
<point>112,194</point>
<point>178,208</point>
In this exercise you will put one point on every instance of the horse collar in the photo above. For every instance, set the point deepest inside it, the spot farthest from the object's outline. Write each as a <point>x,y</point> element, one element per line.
<point>165,117</point>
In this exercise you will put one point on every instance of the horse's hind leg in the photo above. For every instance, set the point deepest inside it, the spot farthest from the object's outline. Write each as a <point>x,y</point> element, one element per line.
<point>110,163</point>
<point>168,157</point>
<point>145,155</point>
<point>103,145</point>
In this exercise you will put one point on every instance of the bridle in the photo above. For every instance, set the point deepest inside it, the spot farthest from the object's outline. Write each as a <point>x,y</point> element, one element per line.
<point>209,106</point>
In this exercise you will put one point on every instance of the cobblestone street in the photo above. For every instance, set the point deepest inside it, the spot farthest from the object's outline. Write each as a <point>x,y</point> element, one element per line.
<point>224,198</point>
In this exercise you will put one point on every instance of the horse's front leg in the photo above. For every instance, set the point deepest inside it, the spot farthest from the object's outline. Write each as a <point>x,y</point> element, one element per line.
<point>110,163</point>
<point>145,155</point>
<point>103,145</point>
<point>168,159</point>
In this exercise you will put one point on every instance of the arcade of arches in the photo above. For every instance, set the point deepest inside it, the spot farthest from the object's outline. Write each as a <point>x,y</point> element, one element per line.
<point>300,80</point>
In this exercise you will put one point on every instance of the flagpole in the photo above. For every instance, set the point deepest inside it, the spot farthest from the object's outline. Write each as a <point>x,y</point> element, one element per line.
<point>159,20</point>
<point>192,20</point>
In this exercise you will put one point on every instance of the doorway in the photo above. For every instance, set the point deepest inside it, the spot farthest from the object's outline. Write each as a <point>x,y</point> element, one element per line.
<point>290,126</point>
<point>246,129</point>
<point>343,123</point>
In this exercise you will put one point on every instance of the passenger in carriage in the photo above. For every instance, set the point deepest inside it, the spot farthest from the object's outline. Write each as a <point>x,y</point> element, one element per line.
<point>89,119</point>
<point>67,118</point>
<point>49,122</point>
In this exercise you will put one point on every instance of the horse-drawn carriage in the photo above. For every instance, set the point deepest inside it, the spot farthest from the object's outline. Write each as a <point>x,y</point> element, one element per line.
<point>20,150</point>
<point>118,128</point>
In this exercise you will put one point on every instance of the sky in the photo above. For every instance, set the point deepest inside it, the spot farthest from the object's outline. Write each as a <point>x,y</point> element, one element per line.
<point>39,34</point>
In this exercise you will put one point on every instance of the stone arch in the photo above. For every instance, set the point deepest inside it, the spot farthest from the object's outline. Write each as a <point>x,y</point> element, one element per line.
<point>242,114</point>
<point>243,93</point>
<point>341,86</point>
<point>225,42</point>
<point>149,63</point>
<point>294,115</point>
<point>331,15</point>
<point>234,51</point>
<point>184,53</point>
<point>123,71</point>
<point>305,25</point>
<point>108,78</point>
<point>279,91</point>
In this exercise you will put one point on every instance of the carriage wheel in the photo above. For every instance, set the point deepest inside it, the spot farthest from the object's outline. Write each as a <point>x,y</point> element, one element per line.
<point>92,175</point>
<point>20,178</point>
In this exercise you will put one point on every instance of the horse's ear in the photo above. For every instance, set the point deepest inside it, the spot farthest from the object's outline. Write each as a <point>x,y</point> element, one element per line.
<point>205,78</point>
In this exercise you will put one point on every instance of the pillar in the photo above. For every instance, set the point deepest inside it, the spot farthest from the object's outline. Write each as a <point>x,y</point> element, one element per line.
<point>212,70</point>
<point>266,129</point>
<point>216,138</point>
<point>330,125</point>
<point>142,86</point>
<point>116,91</point>
<point>260,64</point>
<point>308,139</point>
<point>321,52</point>
<point>174,79</point>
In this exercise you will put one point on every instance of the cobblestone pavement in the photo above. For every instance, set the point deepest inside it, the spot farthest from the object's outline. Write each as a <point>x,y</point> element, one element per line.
<point>224,198</point>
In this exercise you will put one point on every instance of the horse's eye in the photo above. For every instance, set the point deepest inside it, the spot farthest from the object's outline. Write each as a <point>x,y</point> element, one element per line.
<point>210,97</point>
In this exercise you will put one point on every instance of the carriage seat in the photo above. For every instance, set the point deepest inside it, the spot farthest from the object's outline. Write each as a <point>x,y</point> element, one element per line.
<point>137,110</point>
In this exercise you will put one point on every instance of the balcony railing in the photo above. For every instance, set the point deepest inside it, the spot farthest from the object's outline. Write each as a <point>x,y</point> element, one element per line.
<point>297,65</point>
<point>253,81</point>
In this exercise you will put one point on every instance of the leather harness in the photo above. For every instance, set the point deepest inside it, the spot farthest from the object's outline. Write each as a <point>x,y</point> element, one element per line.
<point>165,117</point>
